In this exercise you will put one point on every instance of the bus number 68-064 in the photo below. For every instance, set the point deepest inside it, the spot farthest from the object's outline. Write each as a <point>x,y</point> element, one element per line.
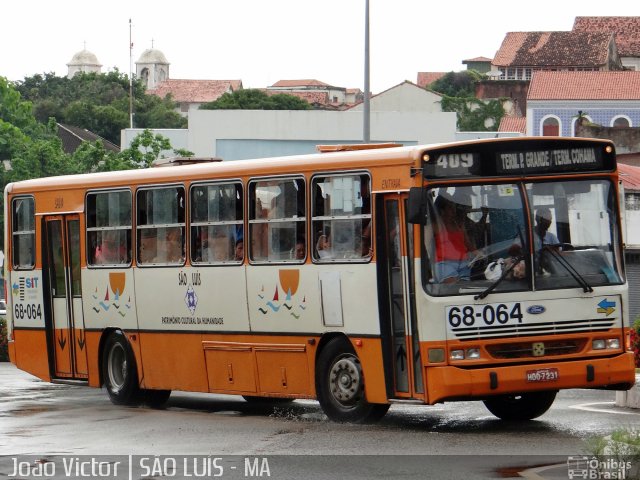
<point>492,314</point>
<point>29,311</point>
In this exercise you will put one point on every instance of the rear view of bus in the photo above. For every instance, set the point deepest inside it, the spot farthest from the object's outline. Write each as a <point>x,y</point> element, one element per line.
<point>521,270</point>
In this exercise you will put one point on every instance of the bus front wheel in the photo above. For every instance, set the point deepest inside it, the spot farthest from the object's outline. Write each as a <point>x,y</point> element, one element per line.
<point>119,370</point>
<point>525,406</point>
<point>340,385</point>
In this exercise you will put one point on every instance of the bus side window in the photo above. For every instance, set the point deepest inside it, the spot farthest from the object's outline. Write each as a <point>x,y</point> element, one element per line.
<point>109,225</point>
<point>341,218</point>
<point>161,221</point>
<point>277,233</point>
<point>23,233</point>
<point>217,225</point>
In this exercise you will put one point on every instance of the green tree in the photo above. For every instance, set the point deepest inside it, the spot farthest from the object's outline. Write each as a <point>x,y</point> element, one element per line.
<point>146,148</point>
<point>33,149</point>
<point>457,84</point>
<point>458,95</point>
<point>474,115</point>
<point>98,102</point>
<point>255,99</point>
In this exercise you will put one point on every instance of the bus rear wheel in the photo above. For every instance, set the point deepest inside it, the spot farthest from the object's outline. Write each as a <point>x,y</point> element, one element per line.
<point>119,371</point>
<point>522,407</point>
<point>340,385</point>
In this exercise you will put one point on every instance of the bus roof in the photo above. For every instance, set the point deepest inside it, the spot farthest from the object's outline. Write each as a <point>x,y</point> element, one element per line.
<point>288,165</point>
<point>358,159</point>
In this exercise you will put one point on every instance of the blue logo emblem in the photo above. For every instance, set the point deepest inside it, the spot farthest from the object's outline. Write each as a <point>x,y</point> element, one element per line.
<point>536,309</point>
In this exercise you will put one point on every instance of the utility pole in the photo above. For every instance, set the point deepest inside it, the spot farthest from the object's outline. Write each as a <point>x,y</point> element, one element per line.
<point>130,78</point>
<point>366,130</point>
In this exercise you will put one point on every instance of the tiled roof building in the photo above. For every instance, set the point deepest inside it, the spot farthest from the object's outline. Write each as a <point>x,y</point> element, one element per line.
<point>556,100</point>
<point>625,29</point>
<point>513,124</point>
<point>190,94</point>
<point>522,53</point>
<point>319,94</point>
<point>427,78</point>
<point>623,85</point>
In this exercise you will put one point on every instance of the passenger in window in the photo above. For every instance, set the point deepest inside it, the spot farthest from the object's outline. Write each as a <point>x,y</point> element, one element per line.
<point>300,250</point>
<point>513,267</point>
<point>476,230</point>
<point>148,246</point>
<point>543,238</point>
<point>239,250</point>
<point>109,251</point>
<point>367,248</point>
<point>542,234</point>
<point>453,242</point>
<point>323,246</point>
<point>218,247</point>
<point>173,245</point>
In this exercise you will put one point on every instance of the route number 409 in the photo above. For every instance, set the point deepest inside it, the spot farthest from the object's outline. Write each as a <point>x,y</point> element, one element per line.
<point>492,314</point>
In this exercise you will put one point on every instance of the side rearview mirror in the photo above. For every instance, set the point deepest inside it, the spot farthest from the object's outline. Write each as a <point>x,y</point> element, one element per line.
<point>417,206</point>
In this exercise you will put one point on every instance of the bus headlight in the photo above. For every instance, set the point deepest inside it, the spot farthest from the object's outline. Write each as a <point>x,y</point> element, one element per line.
<point>468,354</point>
<point>609,343</point>
<point>472,353</point>
<point>456,355</point>
<point>613,343</point>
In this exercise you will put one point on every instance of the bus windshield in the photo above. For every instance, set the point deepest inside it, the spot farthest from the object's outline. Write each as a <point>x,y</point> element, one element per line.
<point>482,236</point>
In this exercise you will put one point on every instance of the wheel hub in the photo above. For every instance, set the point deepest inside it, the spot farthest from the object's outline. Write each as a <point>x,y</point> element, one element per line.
<point>346,380</point>
<point>117,367</point>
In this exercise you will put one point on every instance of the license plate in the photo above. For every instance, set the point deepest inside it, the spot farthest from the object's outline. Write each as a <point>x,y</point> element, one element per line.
<point>543,375</point>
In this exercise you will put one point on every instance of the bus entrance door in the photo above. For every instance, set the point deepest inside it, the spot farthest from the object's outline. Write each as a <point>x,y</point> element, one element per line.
<point>65,324</point>
<point>399,327</point>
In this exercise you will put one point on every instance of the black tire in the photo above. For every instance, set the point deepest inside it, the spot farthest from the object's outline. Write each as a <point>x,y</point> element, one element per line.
<point>522,407</point>
<point>267,400</point>
<point>119,371</point>
<point>340,385</point>
<point>156,398</point>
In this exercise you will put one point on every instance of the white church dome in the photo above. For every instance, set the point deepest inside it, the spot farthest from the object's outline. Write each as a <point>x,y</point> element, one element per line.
<point>151,55</point>
<point>86,58</point>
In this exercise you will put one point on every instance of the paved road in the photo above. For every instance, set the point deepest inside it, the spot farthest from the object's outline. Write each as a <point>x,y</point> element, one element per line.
<point>454,440</point>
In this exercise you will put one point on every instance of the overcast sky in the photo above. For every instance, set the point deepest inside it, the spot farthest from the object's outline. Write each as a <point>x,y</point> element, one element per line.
<point>262,41</point>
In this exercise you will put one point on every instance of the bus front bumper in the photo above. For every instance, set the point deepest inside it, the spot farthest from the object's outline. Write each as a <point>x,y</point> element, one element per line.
<point>455,383</point>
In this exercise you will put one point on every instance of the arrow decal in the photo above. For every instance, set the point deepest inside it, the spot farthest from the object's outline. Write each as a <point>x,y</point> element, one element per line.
<point>62,341</point>
<point>606,307</point>
<point>81,340</point>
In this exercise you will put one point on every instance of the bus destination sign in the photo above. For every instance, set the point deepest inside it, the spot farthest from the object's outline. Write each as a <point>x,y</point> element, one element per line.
<point>547,161</point>
<point>538,157</point>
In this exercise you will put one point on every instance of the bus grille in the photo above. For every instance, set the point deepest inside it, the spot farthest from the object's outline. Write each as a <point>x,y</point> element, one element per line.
<point>560,327</point>
<point>526,350</point>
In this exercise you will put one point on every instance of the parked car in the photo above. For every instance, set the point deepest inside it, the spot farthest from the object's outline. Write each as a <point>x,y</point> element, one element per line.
<point>3,309</point>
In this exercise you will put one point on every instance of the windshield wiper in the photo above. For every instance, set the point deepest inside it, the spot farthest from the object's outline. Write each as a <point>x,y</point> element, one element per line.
<point>568,267</point>
<point>515,261</point>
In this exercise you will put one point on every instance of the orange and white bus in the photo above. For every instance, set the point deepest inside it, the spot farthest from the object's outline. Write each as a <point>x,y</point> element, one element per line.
<point>360,276</point>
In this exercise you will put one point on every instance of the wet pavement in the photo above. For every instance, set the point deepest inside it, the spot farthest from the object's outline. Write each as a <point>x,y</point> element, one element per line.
<point>454,440</point>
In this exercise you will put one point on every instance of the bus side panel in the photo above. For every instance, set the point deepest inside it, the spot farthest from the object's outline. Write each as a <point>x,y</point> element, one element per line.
<point>370,355</point>
<point>173,361</point>
<point>31,352</point>
<point>26,308</point>
<point>301,299</point>
<point>176,307</point>
<point>108,301</point>
<point>92,339</point>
